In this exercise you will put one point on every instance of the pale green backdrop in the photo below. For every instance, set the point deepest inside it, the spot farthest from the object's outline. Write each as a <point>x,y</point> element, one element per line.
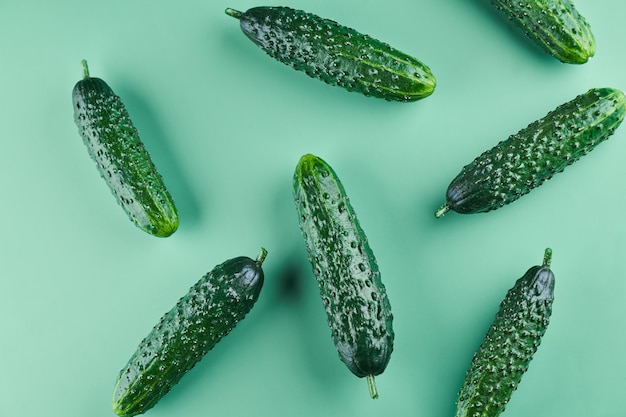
<point>225,124</point>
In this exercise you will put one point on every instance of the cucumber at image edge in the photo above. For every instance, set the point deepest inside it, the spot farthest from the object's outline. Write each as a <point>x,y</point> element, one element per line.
<point>357,307</point>
<point>200,319</point>
<point>336,54</point>
<point>530,157</point>
<point>554,25</point>
<point>510,344</point>
<point>121,158</point>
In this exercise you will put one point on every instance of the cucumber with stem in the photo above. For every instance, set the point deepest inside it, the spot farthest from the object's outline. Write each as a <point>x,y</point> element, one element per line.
<point>355,299</point>
<point>120,156</point>
<point>336,54</point>
<point>510,344</point>
<point>181,338</point>
<point>536,153</point>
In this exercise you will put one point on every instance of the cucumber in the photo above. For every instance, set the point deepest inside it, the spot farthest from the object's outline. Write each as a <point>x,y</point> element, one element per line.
<point>122,160</point>
<point>336,54</point>
<point>208,312</point>
<point>525,160</point>
<point>510,344</point>
<point>355,299</point>
<point>554,25</point>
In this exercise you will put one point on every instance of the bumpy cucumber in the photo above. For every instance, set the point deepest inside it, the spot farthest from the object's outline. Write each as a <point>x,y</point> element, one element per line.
<point>122,160</point>
<point>356,303</point>
<point>208,312</point>
<point>533,155</point>
<point>336,54</point>
<point>555,25</point>
<point>510,343</point>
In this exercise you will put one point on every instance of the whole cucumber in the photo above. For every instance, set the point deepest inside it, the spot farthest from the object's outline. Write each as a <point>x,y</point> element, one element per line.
<point>121,158</point>
<point>208,312</point>
<point>555,25</point>
<point>510,344</point>
<point>355,299</point>
<point>525,160</point>
<point>336,54</point>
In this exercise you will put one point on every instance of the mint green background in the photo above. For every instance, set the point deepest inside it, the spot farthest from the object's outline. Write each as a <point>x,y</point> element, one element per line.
<point>80,285</point>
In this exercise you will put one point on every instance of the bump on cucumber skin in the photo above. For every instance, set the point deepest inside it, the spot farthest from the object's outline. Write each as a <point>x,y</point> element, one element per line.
<point>509,346</point>
<point>208,312</point>
<point>354,297</point>
<point>555,25</point>
<point>336,54</point>
<point>121,158</point>
<point>526,159</point>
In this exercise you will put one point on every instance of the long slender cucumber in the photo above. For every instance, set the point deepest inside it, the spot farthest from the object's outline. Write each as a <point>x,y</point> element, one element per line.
<point>355,299</point>
<point>208,312</point>
<point>510,344</point>
<point>336,54</point>
<point>121,158</point>
<point>528,158</point>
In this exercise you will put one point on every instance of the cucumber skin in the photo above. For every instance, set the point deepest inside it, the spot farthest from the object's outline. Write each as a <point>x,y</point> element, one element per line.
<point>208,312</point>
<point>525,160</point>
<point>554,25</point>
<point>336,54</point>
<point>121,158</point>
<point>356,303</point>
<point>509,346</point>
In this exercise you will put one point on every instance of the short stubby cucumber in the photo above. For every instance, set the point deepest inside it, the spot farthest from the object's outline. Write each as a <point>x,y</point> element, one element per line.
<point>336,54</point>
<point>555,25</point>
<point>526,159</point>
<point>208,312</point>
<point>355,299</point>
<point>122,160</point>
<point>510,344</point>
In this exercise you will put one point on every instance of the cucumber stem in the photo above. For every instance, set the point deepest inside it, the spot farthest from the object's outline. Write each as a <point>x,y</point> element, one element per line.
<point>85,68</point>
<point>547,258</point>
<point>234,13</point>
<point>372,386</point>
<point>261,257</point>
<point>442,210</point>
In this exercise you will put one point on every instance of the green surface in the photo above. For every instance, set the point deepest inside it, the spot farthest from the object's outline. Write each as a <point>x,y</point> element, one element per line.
<point>226,125</point>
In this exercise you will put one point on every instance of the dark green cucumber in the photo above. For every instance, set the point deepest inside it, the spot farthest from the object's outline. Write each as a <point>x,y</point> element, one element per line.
<point>336,54</point>
<point>510,344</point>
<point>356,303</point>
<point>208,312</point>
<point>525,160</point>
<point>555,25</point>
<point>122,160</point>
